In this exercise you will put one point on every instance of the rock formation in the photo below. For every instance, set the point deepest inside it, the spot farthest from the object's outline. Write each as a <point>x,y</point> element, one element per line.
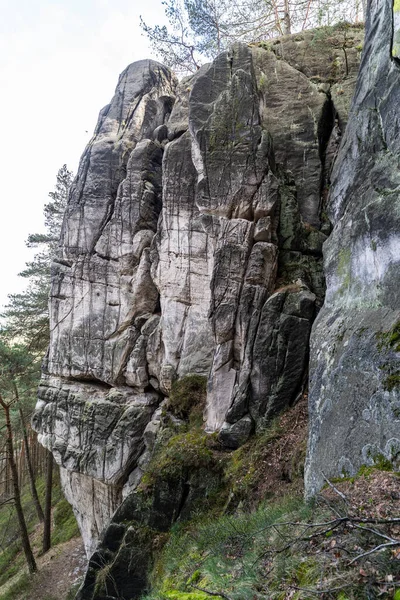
<point>355,366</point>
<point>192,245</point>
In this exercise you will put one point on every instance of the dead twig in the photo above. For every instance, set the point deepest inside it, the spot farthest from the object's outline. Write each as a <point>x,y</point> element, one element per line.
<point>376,549</point>
<point>7,501</point>
<point>215,594</point>
<point>376,532</point>
<point>318,592</point>
<point>338,492</point>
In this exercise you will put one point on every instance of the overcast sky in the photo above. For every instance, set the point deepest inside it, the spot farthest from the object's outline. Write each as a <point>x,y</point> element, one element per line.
<point>59,65</point>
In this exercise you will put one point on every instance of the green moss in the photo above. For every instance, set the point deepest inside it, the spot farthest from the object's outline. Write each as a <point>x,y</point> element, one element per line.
<point>396,412</point>
<point>382,463</point>
<point>343,268</point>
<point>245,468</point>
<point>226,130</point>
<point>20,586</point>
<point>264,45</point>
<point>365,471</point>
<point>187,398</point>
<point>65,525</point>
<point>392,381</point>
<point>184,448</point>
<point>389,340</point>
<point>181,454</point>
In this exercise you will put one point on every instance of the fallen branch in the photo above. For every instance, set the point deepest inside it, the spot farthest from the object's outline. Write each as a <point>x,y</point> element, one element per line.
<point>215,594</point>
<point>318,592</point>
<point>338,492</point>
<point>378,533</point>
<point>376,549</point>
<point>6,501</point>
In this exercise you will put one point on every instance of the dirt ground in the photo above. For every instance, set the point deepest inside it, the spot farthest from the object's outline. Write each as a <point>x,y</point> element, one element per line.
<point>59,569</point>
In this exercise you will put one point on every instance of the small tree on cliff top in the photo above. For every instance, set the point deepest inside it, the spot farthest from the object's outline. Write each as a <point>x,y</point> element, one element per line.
<point>199,29</point>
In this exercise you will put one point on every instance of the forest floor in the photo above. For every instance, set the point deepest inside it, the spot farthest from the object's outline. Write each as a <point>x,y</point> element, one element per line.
<point>59,570</point>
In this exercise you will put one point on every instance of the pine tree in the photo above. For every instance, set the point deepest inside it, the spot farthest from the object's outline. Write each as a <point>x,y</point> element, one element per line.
<point>26,315</point>
<point>24,337</point>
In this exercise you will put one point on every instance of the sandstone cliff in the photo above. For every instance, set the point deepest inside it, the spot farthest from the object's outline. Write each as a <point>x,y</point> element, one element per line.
<point>192,245</point>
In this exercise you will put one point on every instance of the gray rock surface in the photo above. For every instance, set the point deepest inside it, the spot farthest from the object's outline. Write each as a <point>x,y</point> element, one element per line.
<point>95,401</point>
<point>192,244</point>
<point>355,362</point>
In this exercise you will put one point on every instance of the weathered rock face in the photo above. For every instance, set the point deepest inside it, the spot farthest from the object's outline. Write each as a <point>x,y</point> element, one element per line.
<point>95,401</point>
<point>355,363</point>
<point>192,244</point>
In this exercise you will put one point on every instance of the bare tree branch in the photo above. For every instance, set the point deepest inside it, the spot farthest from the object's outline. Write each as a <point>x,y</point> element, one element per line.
<point>376,549</point>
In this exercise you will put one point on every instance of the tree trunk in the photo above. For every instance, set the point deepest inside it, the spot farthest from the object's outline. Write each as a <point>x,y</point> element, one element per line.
<point>31,475</point>
<point>286,18</point>
<point>47,507</point>
<point>17,496</point>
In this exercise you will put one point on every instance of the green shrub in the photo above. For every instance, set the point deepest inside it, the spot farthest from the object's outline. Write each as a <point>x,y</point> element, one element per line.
<point>181,454</point>
<point>11,561</point>
<point>187,398</point>
<point>65,525</point>
<point>245,465</point>
<point>17,588</point>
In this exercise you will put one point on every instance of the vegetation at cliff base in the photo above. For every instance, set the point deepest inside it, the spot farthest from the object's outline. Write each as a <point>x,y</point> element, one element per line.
<point>25,497</point>
<point>15,582</point>
<point>345,546</point>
